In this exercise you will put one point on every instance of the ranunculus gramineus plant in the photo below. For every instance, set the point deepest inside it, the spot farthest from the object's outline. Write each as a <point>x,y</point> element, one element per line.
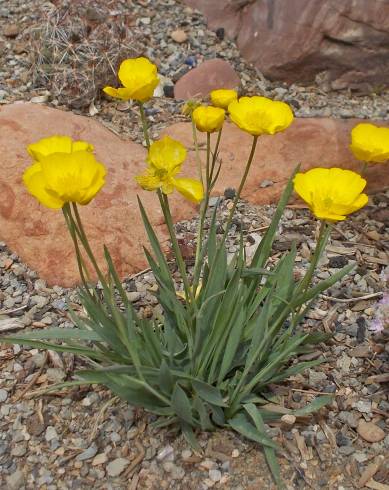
<point>234,329</point>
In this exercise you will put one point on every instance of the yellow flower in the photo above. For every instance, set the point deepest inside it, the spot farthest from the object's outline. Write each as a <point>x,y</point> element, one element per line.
<point>165,159</point>
<point>208,119</point>
<point>139,79</point>
<point>223,97</point>
<point>258,115</point>
<point>167,154</point>
<point>56,144</point>
<point>60,175</point>
<point>331,193</point>
<point>370,143</point>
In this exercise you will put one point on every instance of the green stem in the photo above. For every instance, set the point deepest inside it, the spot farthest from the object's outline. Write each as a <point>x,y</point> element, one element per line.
<point>214,159</point>
<point>207,168</point>
<point>84,240</point>
<point>80,262</point>
<point>197,152</point>
<point>324,233</point>
<point>176,248</point>
<point>241,185</point>
<point>364,168</point>
<point>204,207</point>
<point>144,124</point>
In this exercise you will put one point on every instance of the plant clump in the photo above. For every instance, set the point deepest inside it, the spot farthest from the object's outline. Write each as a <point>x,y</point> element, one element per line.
<point>78,47</point>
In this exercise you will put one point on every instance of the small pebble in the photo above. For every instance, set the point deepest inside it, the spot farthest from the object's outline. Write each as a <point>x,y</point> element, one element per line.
<point>215,475</point>
<point>370,432</point>
<point>3,395</point>
<point>99,459</point>
<point>179,36</point>
<point>117,466</point>
<point>50,433</point>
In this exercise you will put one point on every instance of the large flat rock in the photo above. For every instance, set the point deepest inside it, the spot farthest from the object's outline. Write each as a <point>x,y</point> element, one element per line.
<point>345,41</point>
<point>39,235</point>
<point>310,142</point>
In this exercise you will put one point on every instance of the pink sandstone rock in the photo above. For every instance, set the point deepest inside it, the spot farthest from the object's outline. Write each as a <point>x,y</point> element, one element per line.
<point>321,142</point>
<point>345,41</point>
<point>210,75</point>
<point>37,234</point>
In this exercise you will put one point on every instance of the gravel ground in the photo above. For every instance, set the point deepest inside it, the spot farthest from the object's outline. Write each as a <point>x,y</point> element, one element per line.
<point>83,437</point>
<point>47,59</point>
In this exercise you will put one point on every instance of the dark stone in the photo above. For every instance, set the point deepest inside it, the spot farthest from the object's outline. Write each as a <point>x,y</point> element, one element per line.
<point>191,61</point>
<point>329,389</point>
<point>361,331</point>
<point>337,262</point>
<point>168,91</point>
<point>342,440</point>
<point>180,73</point>
<point>296,396</point>
<point>294,103</point>
<point>229,193</point>
<point>220,33</point>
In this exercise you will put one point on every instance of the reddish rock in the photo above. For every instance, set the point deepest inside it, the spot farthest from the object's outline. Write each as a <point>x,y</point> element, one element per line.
<point>320,142</point>
<point>210,75</point>
<point>370,432</point>
<point>38,235</point>
<point>346,41</point>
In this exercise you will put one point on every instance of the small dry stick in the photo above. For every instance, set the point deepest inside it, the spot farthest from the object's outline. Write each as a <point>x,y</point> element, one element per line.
<point>33,379</point>
<point>137,460</point>
<point>9,312</point>
<point>100,417</point>
<point>351,300</point>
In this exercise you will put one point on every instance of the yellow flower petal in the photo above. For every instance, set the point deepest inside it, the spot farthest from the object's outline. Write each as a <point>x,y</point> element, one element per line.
<point>208,119</point>
<point>139,78</point>
<point>332,193</point>
<point>258,115</point>
<point>75,177</point>
<point>167,154</point>
<point>223,97</point>
<point>191,189</point>
<point>148,182</point>
<point>370,143</point>
<point>35,183</point>
<point>56,144</point>
<point>118,93</point>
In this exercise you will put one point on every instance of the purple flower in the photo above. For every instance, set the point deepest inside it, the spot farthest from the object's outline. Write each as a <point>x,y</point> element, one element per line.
<point>385,299</point>
<point>376,326</point>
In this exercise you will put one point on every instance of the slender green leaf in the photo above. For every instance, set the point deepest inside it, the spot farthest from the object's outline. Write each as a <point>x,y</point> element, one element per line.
<point>200,407</point>
<point>58,333</point>
<point>156,247</point>
<point>181,404</point>
<point>81,351</point>
<point>190,437</point>
<point>269,452</point>
<point>263,251</point>
<point>208,393</point>
<point>315,405</point>
<point>166,381</point>
<point>240,424</point>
